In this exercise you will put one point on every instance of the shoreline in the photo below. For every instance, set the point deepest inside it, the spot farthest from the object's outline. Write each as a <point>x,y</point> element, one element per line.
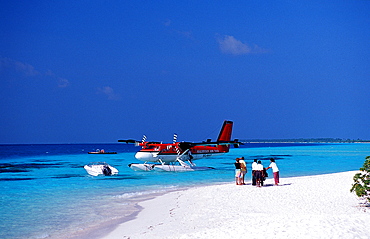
<point>133,207</point>
<point>302,206</point>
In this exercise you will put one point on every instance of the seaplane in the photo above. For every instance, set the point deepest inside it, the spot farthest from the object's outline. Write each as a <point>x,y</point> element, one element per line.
<point>179,156</point>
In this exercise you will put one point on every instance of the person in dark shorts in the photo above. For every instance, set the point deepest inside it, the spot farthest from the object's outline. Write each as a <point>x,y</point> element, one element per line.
<point>259,174</point>
<point>254,165</point>
<point>238,172</point>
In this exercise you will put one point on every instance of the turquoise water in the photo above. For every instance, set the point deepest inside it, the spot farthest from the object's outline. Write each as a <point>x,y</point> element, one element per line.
<point>45,192</point>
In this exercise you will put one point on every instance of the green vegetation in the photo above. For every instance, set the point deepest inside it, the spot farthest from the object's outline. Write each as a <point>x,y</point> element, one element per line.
<point>362,181</point>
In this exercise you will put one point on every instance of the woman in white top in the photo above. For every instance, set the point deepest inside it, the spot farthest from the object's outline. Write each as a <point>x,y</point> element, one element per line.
<point>275,171</point>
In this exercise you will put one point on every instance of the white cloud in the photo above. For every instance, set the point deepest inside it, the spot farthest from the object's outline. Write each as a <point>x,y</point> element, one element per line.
<point>24,68</point>
<point>186,34</point>
<point>29,71</point>
<point>109,92</point>
<point>167,23</point>
<point>230,45</point>
<point>62,83</point>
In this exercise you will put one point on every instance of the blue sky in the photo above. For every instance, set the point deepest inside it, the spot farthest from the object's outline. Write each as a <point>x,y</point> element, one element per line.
<point>98,71</point>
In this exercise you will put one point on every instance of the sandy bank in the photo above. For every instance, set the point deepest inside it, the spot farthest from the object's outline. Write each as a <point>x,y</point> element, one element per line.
<point>302,207</point>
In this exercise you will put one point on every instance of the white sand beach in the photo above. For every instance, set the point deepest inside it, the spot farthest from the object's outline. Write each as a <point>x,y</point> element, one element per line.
<point>301,207</point>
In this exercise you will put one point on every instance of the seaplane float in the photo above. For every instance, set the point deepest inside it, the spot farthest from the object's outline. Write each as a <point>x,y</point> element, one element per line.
<point>179,156</point>
<point>100,168</point>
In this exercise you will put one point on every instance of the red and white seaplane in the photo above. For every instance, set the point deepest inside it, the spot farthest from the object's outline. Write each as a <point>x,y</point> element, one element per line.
<point>179,156</point>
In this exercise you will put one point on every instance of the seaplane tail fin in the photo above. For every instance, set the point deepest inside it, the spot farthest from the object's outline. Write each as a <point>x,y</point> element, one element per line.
<point>225,133</point>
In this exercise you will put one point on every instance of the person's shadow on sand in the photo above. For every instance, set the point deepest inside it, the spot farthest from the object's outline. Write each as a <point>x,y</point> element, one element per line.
<point>271,185</point>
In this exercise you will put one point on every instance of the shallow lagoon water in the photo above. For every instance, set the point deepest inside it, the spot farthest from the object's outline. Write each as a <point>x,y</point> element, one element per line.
<point>45,192</point>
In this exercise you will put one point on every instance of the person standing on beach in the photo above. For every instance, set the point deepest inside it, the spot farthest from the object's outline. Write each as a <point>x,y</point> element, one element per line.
<point>275,171</point>
<point>254,166</point>
<point>259,174</point>
<point>243,169</point>
<point>237,172</point>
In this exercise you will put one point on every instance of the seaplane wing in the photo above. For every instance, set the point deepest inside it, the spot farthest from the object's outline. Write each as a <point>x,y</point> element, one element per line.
<point>128,141</point>
<point>166,156</point>
<point>132,141</point>
<point>235,143</point>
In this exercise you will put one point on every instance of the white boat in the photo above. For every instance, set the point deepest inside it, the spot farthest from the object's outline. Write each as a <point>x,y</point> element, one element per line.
<point>100,168</point>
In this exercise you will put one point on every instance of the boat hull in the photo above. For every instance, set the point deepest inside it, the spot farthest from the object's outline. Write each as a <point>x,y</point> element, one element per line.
<point>98,169</point>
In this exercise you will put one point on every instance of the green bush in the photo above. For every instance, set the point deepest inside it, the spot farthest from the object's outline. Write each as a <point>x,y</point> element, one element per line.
<point>362,181</point>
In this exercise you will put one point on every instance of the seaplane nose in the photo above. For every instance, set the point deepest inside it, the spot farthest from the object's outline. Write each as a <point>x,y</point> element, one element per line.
<point>139,156</point>
<point>144,156</point>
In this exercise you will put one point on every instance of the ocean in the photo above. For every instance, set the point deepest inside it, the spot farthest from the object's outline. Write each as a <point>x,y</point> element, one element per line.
<point>46,192</point>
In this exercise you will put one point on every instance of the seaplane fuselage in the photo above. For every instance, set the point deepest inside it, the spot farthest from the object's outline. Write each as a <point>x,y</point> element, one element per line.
<point>165,155</point>
<point>168,153</point>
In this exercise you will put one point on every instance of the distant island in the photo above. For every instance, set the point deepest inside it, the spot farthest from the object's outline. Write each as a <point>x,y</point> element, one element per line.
<point>302,140</point>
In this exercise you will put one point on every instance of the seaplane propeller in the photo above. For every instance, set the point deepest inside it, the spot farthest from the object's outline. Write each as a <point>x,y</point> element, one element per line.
<point>174,138</point>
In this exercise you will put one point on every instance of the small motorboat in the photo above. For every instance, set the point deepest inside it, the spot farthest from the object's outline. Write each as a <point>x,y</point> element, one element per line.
<point>101,151</point>
<point>99,168</point>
